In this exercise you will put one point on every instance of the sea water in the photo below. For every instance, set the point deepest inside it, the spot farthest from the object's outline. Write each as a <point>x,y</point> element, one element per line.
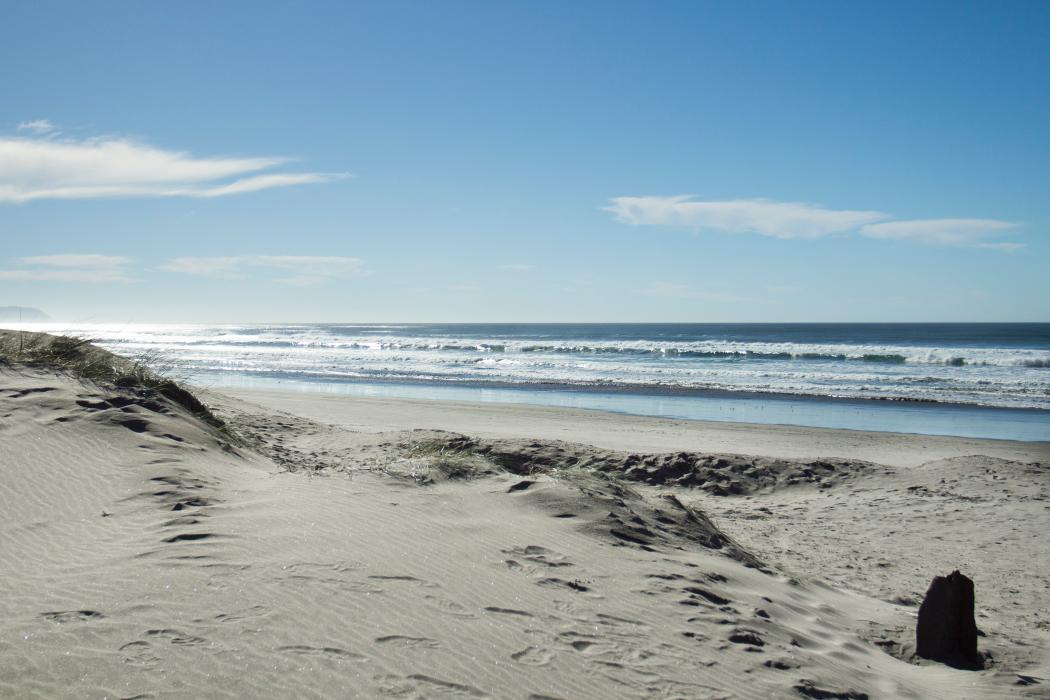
<point>975,379</point>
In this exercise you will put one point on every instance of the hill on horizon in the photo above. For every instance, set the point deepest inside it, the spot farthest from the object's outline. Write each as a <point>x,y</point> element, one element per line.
<point>27,314</point>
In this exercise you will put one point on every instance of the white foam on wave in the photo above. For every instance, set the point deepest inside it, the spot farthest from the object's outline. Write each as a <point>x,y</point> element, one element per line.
<point>309,336</point>
<point>1000,376</point>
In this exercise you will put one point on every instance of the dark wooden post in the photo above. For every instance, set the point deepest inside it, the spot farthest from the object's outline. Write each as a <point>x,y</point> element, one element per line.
<point>946,631</point>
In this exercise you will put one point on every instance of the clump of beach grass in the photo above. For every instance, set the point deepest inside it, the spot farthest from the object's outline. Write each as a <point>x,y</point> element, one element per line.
<point>149,373</point>
<point>429,462</point>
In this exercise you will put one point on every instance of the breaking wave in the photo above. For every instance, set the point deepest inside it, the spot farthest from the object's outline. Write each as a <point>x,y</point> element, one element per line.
<point>858,363</point>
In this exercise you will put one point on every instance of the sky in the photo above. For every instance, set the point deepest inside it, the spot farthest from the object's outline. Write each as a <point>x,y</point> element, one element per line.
<point>243,162</point>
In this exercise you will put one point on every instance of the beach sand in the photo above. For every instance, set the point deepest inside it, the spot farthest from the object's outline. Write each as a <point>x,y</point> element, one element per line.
<point>325,546</point>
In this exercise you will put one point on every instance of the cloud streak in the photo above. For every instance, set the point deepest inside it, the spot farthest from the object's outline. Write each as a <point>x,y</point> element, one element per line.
<point>761,216</point>
<point>295,270</point>
<point>1003,247</point>
<point>674,290</point>
<point>37,126</point>
<point>220,267</point>
<point>47,168</point>
<point>949,232</point>
<point>70,267</point>
<point>799,220</point>
<point>82,260</point>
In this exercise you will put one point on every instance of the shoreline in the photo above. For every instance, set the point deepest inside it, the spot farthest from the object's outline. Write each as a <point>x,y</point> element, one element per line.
<point>627,432</point>
<point>618,388</point>
<point>947,420</point>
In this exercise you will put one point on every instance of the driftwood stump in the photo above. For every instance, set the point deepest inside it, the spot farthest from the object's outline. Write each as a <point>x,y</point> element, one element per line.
<point>946,631</point>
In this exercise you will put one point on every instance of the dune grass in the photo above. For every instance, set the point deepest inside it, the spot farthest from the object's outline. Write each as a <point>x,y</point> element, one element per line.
<point>431,461</point>
<point>149,373</point>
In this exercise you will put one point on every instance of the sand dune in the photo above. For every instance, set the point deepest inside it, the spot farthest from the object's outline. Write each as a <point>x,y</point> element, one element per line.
<point>150,554</point>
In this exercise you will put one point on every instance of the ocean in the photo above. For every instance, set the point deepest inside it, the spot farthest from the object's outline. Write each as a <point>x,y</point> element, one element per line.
<point>977,379</point>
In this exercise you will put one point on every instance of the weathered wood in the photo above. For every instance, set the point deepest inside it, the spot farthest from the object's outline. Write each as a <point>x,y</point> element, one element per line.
<point>946,631</point>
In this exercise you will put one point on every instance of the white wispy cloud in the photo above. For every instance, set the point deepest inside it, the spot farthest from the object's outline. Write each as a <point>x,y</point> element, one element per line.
<point>295,270</point>
<point>71,267</point>
<point>466,287</point>
<point>950,232</point>
<point>48,168</point>
<point>801,220</point>
<point>84,260</point>
<point>1004,247</point>
<point>223,267</point>
<point>674,290</point>
<point>306,270</point>
<point>70,275</point>
<point>762,216</point>
<point>37,126</point>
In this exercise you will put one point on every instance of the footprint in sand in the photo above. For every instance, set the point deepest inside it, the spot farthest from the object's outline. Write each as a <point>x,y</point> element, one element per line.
<point>514,565</point>
<point>533,656</point>
<point>696,593</point>
<point>779,664</point>
<point>448,607</point>
<point>316,567</point>
<point>177,637</point>
<point>507,611</point>
<point>400,640</point>
<point>334,652</point>
<point>540,561</point>
<point>135,425</point>
<point>576,585</point>
<point>239,615</point>
<point>604,619</point>
<point>403,578</point>
<point>179,481</point>
<point>62,616</point>
<point>138,654</point>
<point>539,555</point>
<point>437,685</point>
<point>568,608</point>
<point>418,685</point>
<point>748,637</point>
<point>808,689</point>
<point>324,577</point>
<point>188,537</point>
<point>22,393</point>
<point>583,643</point>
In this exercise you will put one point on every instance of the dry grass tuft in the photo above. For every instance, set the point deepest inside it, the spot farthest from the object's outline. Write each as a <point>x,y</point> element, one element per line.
<point>149,373</point>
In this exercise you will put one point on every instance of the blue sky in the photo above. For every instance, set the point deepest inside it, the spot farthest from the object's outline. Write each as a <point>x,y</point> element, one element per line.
<point>497,161</point>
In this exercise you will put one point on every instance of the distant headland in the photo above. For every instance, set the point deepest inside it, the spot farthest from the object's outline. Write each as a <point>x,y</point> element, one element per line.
<point>27,314</point>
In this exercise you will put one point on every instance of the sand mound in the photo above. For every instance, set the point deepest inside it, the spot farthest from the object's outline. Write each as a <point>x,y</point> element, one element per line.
<point>718,474</point>
<point>596,500</point>
<point>79,359</point>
